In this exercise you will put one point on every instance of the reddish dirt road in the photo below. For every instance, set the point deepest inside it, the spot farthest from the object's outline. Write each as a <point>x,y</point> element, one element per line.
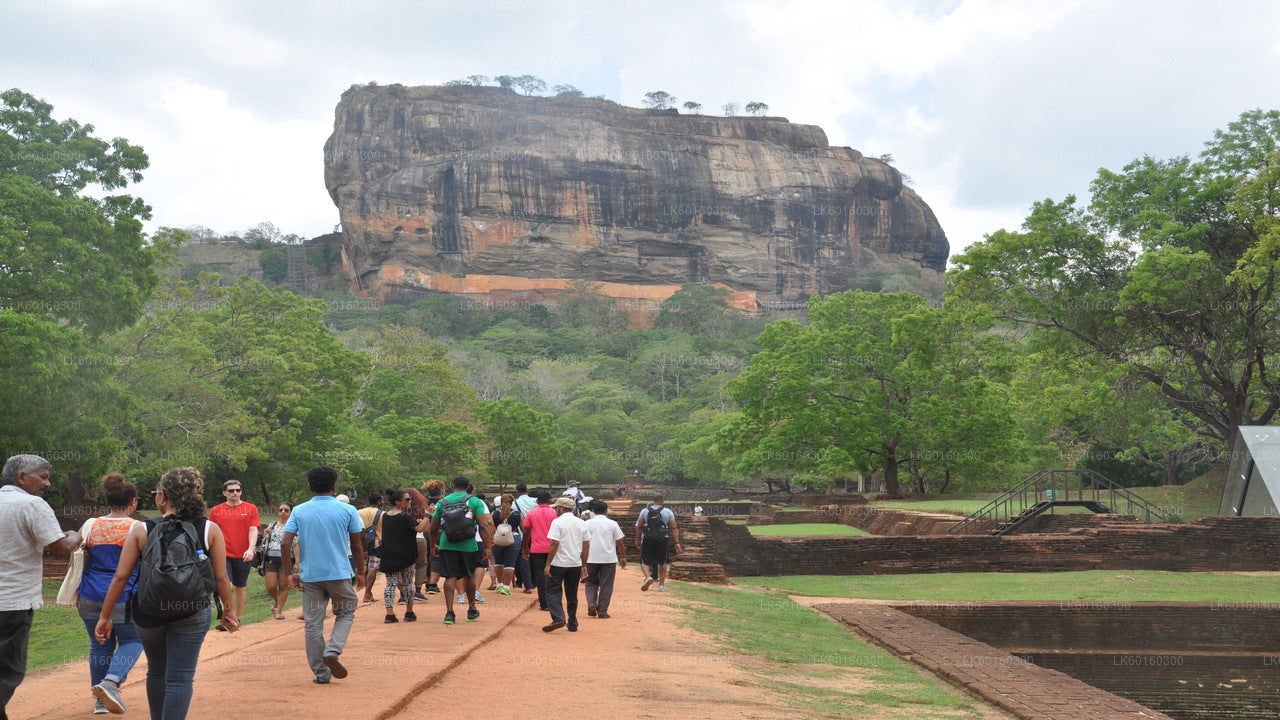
<point>639,663</point>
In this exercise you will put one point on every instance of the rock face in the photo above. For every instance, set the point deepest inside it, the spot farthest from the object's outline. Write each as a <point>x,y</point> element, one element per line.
<point>482,191</point>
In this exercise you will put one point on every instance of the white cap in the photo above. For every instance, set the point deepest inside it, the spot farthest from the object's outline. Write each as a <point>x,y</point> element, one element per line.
<point>343,498</point>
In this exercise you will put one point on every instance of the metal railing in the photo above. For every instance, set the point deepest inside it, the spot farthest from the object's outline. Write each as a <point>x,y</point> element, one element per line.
<point>1058,486</point>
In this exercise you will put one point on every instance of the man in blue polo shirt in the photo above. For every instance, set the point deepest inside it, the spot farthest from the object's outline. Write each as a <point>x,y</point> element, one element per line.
<point>325,529</point>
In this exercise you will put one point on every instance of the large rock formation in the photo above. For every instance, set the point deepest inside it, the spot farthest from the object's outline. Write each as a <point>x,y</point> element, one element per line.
<point>482,191</point>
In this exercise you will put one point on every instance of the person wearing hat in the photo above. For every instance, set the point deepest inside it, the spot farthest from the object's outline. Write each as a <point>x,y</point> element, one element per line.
<point>566,557</point>
<point>575,494</point>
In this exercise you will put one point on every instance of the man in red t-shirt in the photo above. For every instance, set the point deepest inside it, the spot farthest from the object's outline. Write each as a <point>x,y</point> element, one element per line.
<point>535,544</point>
<point>238,521</point>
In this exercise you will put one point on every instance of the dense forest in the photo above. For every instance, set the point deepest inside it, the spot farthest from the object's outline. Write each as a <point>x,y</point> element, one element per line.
<point>1129,335</point>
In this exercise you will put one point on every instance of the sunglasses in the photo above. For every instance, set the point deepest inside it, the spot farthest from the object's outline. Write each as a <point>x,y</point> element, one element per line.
<point>284,510</point>
<point>233,490</point>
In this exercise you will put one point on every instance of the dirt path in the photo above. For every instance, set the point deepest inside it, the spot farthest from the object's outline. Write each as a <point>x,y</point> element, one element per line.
<point>639,663</point>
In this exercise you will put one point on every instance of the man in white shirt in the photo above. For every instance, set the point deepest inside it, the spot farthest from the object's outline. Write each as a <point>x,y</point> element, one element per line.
<point>573,492</point>
<point>569,551</point>
<point>27,528</point>
<point>607,552</point>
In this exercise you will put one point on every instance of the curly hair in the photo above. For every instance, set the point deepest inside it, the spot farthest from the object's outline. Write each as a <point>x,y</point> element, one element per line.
<point>434,487</point>
<point>184,489</point>
<point>417,504</point>
<point>117,492</point>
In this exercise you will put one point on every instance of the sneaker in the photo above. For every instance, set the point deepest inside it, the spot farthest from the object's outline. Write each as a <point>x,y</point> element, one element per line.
<point>108,693</point>
<point>335,666</point>
<point>99,708</point>
<point>647,583</point>
<point>400,601</point>
<point>603,616</point>
<point>479,597</point>
<point>504,590</point>
<point>410,616</point>
<point>448,618</point>
<point>433,589</point>
<point>419,596</point>
<point>462,599</point>
<point>662,588</point>
<point>320,680</point>
<point>473,615</point>
<point>390,618</point>
<point>591,612</point>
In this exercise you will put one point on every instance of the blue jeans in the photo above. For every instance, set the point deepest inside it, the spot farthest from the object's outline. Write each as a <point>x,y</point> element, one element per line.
<point>113,659</point>
<point>172,653</point>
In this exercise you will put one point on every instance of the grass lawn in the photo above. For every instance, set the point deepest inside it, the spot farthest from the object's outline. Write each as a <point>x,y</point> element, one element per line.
<point>822,669</point>
<point>962,506</point>
<point>805,529</point>
<point>1098,585</point>
<point>58,634</point>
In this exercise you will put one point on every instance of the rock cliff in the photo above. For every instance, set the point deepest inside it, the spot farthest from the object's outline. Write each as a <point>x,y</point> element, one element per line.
<point>482,191</point>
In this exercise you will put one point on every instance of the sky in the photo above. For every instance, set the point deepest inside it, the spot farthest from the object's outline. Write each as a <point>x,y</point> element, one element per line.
<point>988,105</point>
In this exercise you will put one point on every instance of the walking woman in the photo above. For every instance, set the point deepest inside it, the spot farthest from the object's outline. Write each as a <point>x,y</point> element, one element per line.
<point>172,644</point>
<point>400,553</point>
<point>277,578</point>
<point>110,660</point>
<point>506,556</point>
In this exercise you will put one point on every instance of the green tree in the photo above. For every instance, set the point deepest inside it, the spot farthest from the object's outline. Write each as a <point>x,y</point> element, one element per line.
<point>522,442</point>
<point>659,100</point>
<point>429,448</point>
<point>274,261</point>
<point>66,253</point>
<point>757,108</point>
<point>1170,273</point>
<point>692,107</point>
<point>874,381</point>
<point>566,91</point>
<point>413,377</point>
<point>530,84</point>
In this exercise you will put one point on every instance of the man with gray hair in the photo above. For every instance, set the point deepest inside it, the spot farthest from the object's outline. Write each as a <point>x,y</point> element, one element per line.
<point>27,529</point>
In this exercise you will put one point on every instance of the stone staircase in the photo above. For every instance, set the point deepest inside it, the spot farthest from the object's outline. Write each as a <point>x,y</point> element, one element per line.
<point>696,562</point>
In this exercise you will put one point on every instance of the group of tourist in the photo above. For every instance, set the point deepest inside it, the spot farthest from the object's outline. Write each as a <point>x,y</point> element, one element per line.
<point>529,541</point>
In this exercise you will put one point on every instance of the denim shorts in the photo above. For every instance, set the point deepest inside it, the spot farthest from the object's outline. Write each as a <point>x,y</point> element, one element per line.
<point>506,557</point>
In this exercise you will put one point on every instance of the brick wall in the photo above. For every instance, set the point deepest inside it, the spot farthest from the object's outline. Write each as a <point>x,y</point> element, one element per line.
<point>1251,543</point>
<point>1196,661</point>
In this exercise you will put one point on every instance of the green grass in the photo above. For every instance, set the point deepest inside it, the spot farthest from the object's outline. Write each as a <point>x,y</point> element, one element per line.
<point>58,634</point>
<point>806,529</point>
<point>818,648</point>
<point>963,506</point>
<point>1091,585</point>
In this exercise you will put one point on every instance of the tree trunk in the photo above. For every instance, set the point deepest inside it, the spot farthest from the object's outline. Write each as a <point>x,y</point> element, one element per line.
<point>266,494</point>
<point>891,485</point>
<point>75,493</point>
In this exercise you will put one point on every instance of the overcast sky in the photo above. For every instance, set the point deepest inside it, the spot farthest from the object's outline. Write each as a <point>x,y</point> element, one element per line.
<point>989,105</point>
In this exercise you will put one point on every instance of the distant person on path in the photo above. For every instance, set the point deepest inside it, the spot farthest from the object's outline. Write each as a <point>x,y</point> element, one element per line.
<point>399,554</point>
<point>575,494</point>
<point>418,507</point>
<point>172,642</point>
<point>506,557</point>
<point>326,530</point>
<point>566,556</point>
<point>273,570</point>
<point>434,490</point>
<point>369,517</point>
<point>656,536</point>
<point>104,540</point>
<point>534,545</point>
<point>239,522</point>
<point>27,528</point>
<point>525,502</point>
<point>454,523</point>
<point>607,552</point>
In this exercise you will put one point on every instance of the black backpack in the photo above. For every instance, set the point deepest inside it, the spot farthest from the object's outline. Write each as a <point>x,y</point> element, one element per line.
<point>458,527</point>
<point>655,527</point>
<point>175,577</point>
<point>371,535</point>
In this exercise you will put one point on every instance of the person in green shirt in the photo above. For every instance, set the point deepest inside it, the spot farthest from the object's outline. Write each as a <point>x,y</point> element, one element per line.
<point>454,523</point>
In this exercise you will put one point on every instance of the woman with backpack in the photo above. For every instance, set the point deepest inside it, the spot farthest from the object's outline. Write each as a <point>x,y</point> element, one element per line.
<point>171,610</point>
<point>399,550</point>
<point>506,543</point>
<point>277,578</point>
<point>104,539</point>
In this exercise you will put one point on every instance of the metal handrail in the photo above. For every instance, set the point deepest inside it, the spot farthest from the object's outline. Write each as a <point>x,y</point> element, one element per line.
<point>1059,485</point>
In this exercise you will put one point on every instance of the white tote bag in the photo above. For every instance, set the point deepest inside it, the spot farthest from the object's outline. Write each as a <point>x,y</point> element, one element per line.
<point>69,593</point>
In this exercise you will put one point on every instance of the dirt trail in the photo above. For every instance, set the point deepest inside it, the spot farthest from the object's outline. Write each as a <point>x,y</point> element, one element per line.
<point>637,663</point>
